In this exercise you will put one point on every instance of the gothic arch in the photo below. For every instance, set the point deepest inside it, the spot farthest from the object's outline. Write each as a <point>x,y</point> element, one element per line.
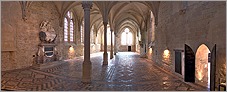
<point>202,67</point>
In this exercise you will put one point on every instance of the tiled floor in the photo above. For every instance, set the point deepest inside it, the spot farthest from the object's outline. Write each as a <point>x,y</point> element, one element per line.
<point>126,71</point>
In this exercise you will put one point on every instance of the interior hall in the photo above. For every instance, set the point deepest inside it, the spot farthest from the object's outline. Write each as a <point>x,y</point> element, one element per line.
<point>113,45</point>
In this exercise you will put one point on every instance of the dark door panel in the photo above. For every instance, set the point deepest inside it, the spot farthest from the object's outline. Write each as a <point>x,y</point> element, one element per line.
<point>189,64</point>
<point>213,68</point>
<point>178,62</point>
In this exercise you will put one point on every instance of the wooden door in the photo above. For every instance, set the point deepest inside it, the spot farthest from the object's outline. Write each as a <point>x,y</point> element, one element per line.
<point>213,68</point>
<point>189,65</point>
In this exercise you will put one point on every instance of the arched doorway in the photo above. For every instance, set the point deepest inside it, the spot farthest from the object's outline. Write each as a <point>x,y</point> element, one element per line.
<point>202,66</point>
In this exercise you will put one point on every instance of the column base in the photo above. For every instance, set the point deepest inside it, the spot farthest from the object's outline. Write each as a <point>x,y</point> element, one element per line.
<point>143,56</point>
<point>84,81</point>
<point>111,55</point>
<point>105,58</point>
<point>115,53</point>
<point>86,77</point>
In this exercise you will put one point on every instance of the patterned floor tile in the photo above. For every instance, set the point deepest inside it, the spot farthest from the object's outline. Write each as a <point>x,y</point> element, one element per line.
<point>125,72</point>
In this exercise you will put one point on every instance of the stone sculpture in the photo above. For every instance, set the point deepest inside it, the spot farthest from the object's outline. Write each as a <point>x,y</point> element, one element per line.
<point>47,48</point>
<point>47,32</point>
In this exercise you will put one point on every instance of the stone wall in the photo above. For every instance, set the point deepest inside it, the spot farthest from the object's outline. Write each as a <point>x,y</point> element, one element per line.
<point>74,50</point>
<point>191,23</point>
<point>20,38</point>
<point>124,48</point>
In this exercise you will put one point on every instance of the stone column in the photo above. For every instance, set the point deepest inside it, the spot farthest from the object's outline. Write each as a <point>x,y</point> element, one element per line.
<point>86,77</point>
<point>101,44</point>
<point>142,45</point>
<point>115,43</point>
<point>111,50</point>
<point>105,54</point>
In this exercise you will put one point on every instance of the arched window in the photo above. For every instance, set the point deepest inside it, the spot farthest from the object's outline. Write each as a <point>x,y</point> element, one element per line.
<point>68,27</point>
<point>126,37</point>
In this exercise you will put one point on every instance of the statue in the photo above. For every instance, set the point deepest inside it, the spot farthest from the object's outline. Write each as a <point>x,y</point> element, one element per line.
<point>47,48</point>
<point>47,32</point>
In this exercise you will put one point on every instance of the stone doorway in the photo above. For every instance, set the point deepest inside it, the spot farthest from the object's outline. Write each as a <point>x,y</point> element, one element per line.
<point>190,68</point>
<point>202,66</point>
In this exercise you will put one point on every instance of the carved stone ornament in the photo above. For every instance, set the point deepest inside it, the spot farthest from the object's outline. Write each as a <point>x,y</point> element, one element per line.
<point>47,33</point>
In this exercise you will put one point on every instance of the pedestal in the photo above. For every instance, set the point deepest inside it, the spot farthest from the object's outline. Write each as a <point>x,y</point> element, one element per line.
<point>46,53</point>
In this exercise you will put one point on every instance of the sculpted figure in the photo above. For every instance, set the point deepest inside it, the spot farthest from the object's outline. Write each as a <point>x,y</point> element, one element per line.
<point>47,33</point>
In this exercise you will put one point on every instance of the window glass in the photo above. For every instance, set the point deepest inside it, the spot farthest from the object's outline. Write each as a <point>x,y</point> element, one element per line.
<point>126,37</point>
<point>65,30</point>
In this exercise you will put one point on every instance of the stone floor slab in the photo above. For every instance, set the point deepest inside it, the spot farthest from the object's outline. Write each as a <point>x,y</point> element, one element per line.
<point>125,72</point>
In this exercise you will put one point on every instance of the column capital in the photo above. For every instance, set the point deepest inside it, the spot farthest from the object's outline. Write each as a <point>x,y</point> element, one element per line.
<point>105,23</point>
<point>115,33</point>
<point>86,4</point>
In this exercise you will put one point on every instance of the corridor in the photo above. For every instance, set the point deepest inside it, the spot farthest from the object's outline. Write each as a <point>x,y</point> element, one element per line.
<point>125,72</point>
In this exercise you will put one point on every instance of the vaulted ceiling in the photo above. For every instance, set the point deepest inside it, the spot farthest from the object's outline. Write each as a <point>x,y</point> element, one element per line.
<point>118,14</point>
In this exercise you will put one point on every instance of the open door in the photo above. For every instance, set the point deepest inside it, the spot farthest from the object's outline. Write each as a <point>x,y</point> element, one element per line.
<point>189,65</point>
<point>129,48</point>
<point>213,68</point>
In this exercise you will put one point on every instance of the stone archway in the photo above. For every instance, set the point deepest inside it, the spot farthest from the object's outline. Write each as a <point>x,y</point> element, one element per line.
<point>202,66</point>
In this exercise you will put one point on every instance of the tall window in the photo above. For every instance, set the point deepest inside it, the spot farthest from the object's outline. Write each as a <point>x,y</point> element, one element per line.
<point>68,27</point>
<point>92,34</point>
<point>126,37</point>
<point>82,32</point>
<point>109,36</point>
<point>152,31</point>
<point>65,29</point>
<point>71,30</point>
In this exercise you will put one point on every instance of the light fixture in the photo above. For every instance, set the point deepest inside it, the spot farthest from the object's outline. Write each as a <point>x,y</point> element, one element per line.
<point>166,52</point>
<point>150,50</point>
<point>71,48</point>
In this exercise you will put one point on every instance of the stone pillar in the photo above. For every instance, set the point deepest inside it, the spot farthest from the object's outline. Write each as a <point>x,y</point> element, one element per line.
<point>142,45</point>
<point>86,77</point>
<point>111,50</point>
<point>105,54</point>
<point>115,43</point>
